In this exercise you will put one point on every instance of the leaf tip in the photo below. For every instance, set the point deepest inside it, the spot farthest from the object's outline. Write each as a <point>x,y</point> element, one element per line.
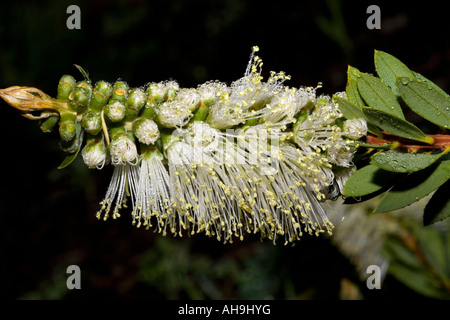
<point>428,139</point>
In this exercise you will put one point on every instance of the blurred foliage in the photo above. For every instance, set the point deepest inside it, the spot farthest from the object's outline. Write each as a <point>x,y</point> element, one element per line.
<point>48,215</point>
<point>420,258</point>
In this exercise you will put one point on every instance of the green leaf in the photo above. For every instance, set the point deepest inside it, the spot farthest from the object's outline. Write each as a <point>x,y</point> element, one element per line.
<point>352,87</point>
<point>389,68</point>
<point>367,180</point>
<point>426,101</point>
<point>431,83</point>
<point>395,125</point>
<point>414,187</point>
<point>438,207</point>
<point>348,109</point>
<point>378,96</point>
<point>83,72</point>
<point>68,160</point>
<point>404,162</point>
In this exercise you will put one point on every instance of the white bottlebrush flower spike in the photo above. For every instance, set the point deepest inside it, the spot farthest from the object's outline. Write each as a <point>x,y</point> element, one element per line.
<point>254,156</point>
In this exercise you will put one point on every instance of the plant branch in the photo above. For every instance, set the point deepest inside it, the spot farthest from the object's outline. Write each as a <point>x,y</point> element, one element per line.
<point>441,141</point>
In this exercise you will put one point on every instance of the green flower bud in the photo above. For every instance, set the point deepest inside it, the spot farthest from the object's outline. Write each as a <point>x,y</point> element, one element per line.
<point>208,92</point>
<point>115,111</point>
<point>80,96</point>
<point>120,91</point>
<point>201,113</point>
<point>94,153</point>
<point>301,117</point>
<point>65,87</point>
<point>49,123</point>
<point>92,122</point>
<point>100,96</point>
<point>148,112</point>
<point>155,93</point>
<point>67,128</point>
<point>178,112</point>
<point>73,145</point>
<point>172,88</point>
<point>167,139</point>
<point>146,131</point>
<point>135,101</point>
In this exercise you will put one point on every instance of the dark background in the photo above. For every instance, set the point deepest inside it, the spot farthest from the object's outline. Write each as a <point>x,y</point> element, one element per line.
<point>48,215</point>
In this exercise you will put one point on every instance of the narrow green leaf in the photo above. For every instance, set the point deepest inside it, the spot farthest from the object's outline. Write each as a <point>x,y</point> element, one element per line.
<point>431,83</point>
<point>395,125</point>
<point>68,160</point>
<point>348,109</point>
<point>404,162</point>
<point>438,207</point>
<point>367,180</point>
<point>414,187</point>
<point>426,101</point>
<point>352,87</point>
<point>83,72</point>
<point>378,96</point>
<point>389,68</point>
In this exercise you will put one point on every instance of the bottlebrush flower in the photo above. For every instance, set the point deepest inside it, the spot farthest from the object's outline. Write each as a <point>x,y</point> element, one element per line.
<point>254,156</point>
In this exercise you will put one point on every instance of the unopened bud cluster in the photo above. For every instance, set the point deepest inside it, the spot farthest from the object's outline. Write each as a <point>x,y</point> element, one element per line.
<point>254,156</point>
